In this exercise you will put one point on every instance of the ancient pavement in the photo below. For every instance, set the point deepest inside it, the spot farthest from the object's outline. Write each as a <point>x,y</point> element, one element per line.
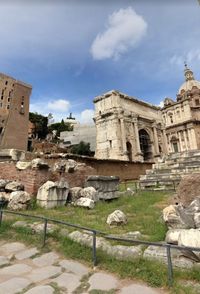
<point>26,270</point>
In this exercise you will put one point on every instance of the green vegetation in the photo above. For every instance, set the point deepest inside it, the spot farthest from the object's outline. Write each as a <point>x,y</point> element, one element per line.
<point>144,214</point>
<point>81,149</point>
<point>60,127</point>
<point>40,122</point>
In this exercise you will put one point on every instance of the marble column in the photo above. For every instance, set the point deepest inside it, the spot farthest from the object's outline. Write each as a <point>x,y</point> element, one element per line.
<point>165,145</point>
<point>180,141</point>
<point>155,135</point>
<point>185,139</point>
<point>123,138</point>
<point>193,138</point>
<point>138,150</point>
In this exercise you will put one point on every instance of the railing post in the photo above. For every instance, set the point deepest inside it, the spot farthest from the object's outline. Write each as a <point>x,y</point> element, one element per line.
<point>45,232</point>
<point>169,265</point>
<point>1,217</point>
<point>94,249</point>
<point>136,187</point>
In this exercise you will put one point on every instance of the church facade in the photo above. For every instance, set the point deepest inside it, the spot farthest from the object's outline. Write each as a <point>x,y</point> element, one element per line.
<point>132,130</point>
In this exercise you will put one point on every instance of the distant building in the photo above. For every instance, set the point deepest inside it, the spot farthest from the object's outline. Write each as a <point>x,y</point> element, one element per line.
<point>86,133</point>
<point>130,129</point>
<point>14,113</point>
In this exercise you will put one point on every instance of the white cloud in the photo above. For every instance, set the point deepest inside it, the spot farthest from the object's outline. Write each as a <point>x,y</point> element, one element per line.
<point>189,57</point>
<point>59,105</point>
<point>86,116</point>
<point>125,30</point>
<point>161,104</point>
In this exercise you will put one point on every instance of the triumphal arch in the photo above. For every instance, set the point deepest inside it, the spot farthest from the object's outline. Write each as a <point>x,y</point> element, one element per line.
<point>132,130</point>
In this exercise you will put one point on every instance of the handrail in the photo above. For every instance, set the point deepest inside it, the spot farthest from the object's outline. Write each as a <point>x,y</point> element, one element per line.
<point>110,237</point>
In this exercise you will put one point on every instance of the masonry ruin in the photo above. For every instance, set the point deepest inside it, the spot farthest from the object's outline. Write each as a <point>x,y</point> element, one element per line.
<point>132,130</point>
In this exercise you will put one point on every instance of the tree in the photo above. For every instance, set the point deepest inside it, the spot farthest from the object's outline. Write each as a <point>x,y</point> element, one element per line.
<point>82,148</point>
<point>60,127</point>
<point>40,122</point>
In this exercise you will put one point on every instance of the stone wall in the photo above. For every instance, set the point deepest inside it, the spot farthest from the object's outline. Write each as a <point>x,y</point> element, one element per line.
<point>32,179</point>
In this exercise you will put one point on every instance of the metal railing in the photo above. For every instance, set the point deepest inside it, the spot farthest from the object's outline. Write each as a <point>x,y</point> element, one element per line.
<point>109,237</point>
<point>136,186</point>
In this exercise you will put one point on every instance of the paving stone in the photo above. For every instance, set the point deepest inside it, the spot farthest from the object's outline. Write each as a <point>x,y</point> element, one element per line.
<point>26,253</point>
<point>45,259</point>
<point>104,282</point>
<point>9,248</point>
<point>68,281</point>
<point>135,289</point>
<point>15,269</point>
<point>75,267</point>
<point>41,289</point>
<point>44,273</point>
<point>14,285</point>
<point>3,260</point>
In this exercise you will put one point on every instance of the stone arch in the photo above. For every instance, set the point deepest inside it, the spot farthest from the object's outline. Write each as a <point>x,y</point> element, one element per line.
<point>145,144</point>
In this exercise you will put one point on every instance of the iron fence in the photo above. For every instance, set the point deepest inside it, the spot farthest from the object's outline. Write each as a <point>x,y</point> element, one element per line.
<point>109,237</point>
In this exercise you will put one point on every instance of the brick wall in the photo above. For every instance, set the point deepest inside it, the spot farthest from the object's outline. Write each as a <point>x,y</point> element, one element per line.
<point>33,179</point>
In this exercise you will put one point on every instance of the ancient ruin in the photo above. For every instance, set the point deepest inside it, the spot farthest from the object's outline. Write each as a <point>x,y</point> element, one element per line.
<point>132,130</point>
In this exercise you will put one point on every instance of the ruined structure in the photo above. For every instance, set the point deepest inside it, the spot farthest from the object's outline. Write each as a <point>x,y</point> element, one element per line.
<point>132,130</point>
<point>14,113</point>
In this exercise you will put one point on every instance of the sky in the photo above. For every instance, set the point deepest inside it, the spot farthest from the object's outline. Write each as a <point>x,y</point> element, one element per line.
<point>71,51</point>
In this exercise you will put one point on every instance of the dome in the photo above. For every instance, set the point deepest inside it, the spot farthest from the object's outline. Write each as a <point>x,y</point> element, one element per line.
<point>188,85</point>
<point>190,81</point>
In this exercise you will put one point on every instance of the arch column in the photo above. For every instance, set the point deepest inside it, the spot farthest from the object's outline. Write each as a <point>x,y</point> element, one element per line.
<point>123,138</point>
<point>138,150</point>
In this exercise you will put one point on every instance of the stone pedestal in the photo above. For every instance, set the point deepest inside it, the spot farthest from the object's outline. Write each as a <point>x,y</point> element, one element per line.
<point>106,186</point>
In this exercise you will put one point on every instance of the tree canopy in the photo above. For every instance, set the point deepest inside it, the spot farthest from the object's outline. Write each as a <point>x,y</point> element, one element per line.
<point>82,148</point>
<point>60,127</point>
<point>40,122</point>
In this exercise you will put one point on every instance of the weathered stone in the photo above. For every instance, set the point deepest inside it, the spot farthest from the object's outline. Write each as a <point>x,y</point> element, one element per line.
<point>19,200</point>
<point>160,254</point>
<point>15,269</point>
<point>188,188</point>
<point>16,154</point>
<point>43,273</point>
<point>177,218</point>
<point>21,165</point>
<point>38,163</point>
<point>19,224</point>
<point>3,183</point>
<point>75,193</point>
<point>41,289</point>
<point>124,252</point>
<point>14,186</point>
<point>132,235</point>
<point>172,236</point>
<point>85,202</point>
<point>70,165</point>
<point>194,206</point>
<point>116,218</point>
<point>103,282</point>
<point>26,253</point>
<point>52,194</point>
<point>89,192</point>
<point>197,220</point>
<point>74,267</point>
<point>39,227</point>
<point>69,281</point>
<point>3,260</point>
<point>81,238</point>
<point>60,166</point>
<point>4,196</point>
<point>46,259</point>
<point>14,285</point>
<point>106,186</point>
<point>64,232</point>
<point>190,238</point>
<point>11,248</point>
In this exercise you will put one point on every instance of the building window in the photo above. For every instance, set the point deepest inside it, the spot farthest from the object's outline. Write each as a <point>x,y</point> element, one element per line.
<point>1,105</point>
<point>6,82</point>
<point>1,97</point>
<point>171,119</point>
<point>197,101</point>
<point>8,106</point>
<point>8,99</point>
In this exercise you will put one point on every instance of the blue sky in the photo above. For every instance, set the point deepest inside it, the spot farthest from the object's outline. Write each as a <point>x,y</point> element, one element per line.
<point>71,51</point>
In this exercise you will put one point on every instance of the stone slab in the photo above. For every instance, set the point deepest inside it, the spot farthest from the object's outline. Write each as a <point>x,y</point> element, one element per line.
<point>14,285</point>
<point>69,281</point>
<point>41,289</point>
<point>136,289</point>
<point>44,273</point>
<point>103,282</point>
<point>45,259</point>
<point>11,248</point>
<point>3,260</point>
<point>26,253</point>
<point>15,269</point>
<point>74,267</point>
